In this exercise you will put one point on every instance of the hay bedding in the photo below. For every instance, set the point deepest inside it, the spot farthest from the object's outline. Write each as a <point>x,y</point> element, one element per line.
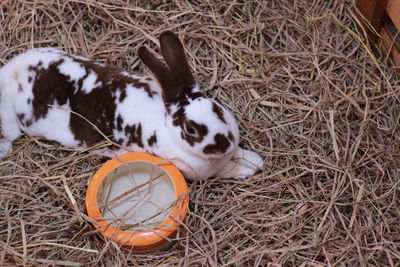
<point>309,97</point>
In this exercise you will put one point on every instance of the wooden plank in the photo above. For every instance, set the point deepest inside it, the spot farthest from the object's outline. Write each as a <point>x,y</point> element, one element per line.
<point>391,30</point>
<point>393,10</point>
<point>372,11</point>
<point>388,44</point>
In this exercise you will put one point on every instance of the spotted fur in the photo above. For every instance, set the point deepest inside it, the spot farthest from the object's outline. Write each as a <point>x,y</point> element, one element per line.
<point>167,116</point>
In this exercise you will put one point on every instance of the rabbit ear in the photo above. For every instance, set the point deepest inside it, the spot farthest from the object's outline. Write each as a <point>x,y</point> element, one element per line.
<point>174,55</point>
<point>161,72</point>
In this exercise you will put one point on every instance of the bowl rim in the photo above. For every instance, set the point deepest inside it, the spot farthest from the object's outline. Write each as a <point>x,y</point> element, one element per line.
<point>149,237</point>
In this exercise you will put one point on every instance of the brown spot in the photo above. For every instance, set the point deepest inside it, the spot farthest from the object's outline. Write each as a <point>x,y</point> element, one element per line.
<point>30,79</point>
<point>122,96</point>
<point>21,116</point>
<point>152,140</point>
<point>29,101</point>
<point>183,98</point>
<point>119,123</point>
<point>230,137</point>
<point>218,110</point>
<point>134,134</point>
<point>80,81</point>
<point>220,146</point>
<point>97,103</point>
<point>20,88</point>
<point>179,117</point>
<point>148,79</point>
<point>49,86</point>
<point>195,95</point>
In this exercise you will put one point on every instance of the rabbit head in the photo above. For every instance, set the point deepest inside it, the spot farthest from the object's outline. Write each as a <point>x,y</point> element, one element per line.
<point>197,125</point>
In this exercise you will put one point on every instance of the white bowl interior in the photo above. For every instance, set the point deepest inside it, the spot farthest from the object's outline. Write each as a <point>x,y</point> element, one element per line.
<point>136,196</point>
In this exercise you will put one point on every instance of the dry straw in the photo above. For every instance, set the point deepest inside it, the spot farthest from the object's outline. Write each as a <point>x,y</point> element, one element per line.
<point>310,97</point>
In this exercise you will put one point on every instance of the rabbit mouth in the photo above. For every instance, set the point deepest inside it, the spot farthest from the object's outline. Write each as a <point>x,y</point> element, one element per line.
<point>218,156</point>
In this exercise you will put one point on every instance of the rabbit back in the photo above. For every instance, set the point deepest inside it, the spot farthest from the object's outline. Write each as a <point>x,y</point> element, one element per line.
<point>45,85</point>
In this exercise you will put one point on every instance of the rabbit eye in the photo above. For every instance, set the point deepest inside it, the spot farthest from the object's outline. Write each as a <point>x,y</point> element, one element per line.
<point>190,130</point>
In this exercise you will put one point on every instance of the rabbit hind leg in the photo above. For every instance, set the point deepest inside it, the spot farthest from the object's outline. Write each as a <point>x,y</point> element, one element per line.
<point>10,129</point>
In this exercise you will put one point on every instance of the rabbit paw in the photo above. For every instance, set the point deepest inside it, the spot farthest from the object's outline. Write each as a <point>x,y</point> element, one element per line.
<point>244,163</point>
<point>5,148</point>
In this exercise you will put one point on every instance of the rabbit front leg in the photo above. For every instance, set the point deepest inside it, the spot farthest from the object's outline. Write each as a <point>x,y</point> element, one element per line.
<point>244,163</point>
<point>9,122</point>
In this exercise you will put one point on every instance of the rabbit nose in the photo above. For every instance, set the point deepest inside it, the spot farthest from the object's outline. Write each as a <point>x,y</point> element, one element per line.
<point>221,146</point>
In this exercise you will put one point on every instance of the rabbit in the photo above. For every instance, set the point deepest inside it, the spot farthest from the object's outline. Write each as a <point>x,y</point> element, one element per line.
<point>49,93</point>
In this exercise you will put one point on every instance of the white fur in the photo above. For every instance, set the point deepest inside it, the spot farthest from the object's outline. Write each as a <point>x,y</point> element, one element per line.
<point>75,71</point>
<point>90,82</point>
<point>54,127</point>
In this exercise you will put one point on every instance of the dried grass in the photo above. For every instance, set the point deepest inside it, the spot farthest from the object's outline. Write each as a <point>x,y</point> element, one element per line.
<point>308,94</point>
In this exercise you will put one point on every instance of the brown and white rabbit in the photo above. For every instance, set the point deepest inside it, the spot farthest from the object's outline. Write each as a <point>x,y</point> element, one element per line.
<point>166,115</point>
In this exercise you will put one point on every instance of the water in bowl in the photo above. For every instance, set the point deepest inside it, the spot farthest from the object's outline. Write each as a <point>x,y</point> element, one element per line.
<point>136,196</point>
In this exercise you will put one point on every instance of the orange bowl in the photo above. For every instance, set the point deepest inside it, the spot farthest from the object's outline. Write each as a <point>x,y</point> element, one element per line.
<point>151,237</point>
